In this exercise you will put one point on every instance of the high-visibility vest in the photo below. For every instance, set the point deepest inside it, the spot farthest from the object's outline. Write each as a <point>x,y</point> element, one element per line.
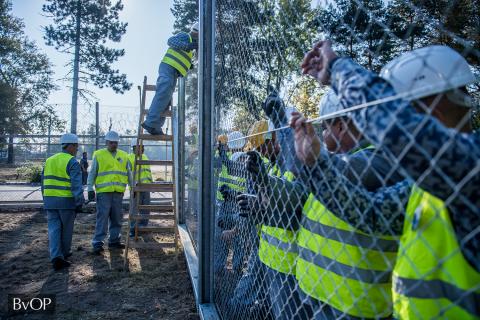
<point>112,173</point>
<point>56,180</point>
<point>234,182</point>
<point>145,172</point>
<point>432,279</point>
<point>342,266</point>
<point>179,59</point>
<point>277,248</point>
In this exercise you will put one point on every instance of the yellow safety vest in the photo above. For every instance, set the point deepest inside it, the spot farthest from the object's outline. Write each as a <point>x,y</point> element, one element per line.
<point>342,266</point>
<point>145,171</point>
<point>431,278</point>
<point>278,248</point>
<point>56,180</point>
<point>112,173</point>
<point>179,59</point>
<point>234,182</point>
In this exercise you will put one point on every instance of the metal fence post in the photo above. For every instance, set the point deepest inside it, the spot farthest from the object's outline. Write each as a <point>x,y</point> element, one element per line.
<point>206,194</point>
<point>180,152</point>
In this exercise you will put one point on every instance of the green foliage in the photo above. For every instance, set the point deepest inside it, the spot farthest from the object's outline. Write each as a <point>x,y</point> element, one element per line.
<point>306,96</point>
<point>185,13</point>
<point>99,24</point>
<point>26,81</point>
<point>30,171</point>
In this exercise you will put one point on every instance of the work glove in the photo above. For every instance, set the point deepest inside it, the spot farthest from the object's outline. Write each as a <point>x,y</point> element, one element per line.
<point>79,209</point>
<point>91,195</point>
<point>257,169</point>
<point>227,192</point>
<point>274,108</point>
<point>221,223</point>
<point>250,207</point>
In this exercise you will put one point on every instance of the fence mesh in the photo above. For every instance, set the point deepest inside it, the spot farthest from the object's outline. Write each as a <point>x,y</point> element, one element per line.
<point>369,208</point>
<point>22,156</point>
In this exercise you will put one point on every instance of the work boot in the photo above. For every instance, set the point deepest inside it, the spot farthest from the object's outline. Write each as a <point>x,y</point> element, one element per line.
<point>59,263</point>
<point>97,250</point>
<point>116,245</point>
<point>152,131</point>
<point>68,255</point>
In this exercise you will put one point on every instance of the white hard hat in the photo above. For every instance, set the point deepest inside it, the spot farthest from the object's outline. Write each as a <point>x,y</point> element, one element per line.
<point>329,104</point>
<point>112,136</point>
<point>133,143</point>
<point>194,27</point>
<point>427,71</point>
<point>239,140</point>
<point>237,155</point>
<point>69,138</point>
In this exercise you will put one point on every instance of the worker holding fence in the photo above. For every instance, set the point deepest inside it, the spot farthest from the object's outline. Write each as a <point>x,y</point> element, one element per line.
<point>176,62</point>
<point>231,181</point>
<point>144,176</point>
<point>250,294</point>
<point>62,192</point>
<point>110,175</point>
<point>342,269</point>
<point>437,269</point>
<point>277,248</point>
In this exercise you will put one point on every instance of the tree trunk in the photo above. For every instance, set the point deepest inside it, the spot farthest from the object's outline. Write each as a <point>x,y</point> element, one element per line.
<point>11,156</point>
<point>76,66</point>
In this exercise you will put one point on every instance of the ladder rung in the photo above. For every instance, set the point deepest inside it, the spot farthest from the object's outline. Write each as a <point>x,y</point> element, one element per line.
<point>150,87</point>
<point>163,137</point>
<point>155,162</point>
<point>165,114</point>
<point>151,245</point>
<point>152,216</point>
<point>156,207</point>
<point>154,187</point>
<point>156,229</point>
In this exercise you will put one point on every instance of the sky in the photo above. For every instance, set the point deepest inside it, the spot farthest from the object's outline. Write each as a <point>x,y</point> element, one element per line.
<point>150,23</point>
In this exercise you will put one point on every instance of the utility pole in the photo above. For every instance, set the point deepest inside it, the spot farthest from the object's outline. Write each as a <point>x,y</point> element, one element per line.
<point>76,67</point>
<point>97,125</point>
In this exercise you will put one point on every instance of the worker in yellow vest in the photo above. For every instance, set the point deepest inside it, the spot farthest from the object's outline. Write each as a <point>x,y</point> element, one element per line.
<point>144,176</point>
<point>437,271</point>
<point>110,174</point>
<point>250,299</point>
<point>176,62</point>
<point>62,192</point>
<point>231,182</point>
<point>343,268</point>
<point>279,223</point>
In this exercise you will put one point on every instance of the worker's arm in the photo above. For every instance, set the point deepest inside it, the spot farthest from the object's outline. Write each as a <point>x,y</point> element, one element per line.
<point>92,175</point>
<point>181,41</point>
<point>378,212</point>
<point>415,140</point>
<point>75,173</point>
<point>130,174</point>
<point>412,138</point>
<point>285,203</point>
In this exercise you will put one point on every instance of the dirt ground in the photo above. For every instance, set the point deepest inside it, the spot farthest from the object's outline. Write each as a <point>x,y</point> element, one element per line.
<point>94,287</point>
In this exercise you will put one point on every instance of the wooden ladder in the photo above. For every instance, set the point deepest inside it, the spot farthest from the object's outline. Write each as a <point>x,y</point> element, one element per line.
<point>164,212</point>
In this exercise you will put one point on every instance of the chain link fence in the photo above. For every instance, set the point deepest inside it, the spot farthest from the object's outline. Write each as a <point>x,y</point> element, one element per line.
<point>350,193</point>
<point>22,156</point>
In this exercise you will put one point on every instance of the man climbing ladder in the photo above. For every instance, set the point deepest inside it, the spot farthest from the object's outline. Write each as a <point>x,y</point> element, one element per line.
<point>176,62</point>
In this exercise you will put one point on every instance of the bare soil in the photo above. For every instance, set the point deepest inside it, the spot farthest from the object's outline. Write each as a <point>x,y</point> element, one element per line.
<point>94,287</point>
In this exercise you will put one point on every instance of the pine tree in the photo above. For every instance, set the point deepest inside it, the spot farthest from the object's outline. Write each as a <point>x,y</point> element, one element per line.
<point>25,82</point>
<point>82,28</point>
